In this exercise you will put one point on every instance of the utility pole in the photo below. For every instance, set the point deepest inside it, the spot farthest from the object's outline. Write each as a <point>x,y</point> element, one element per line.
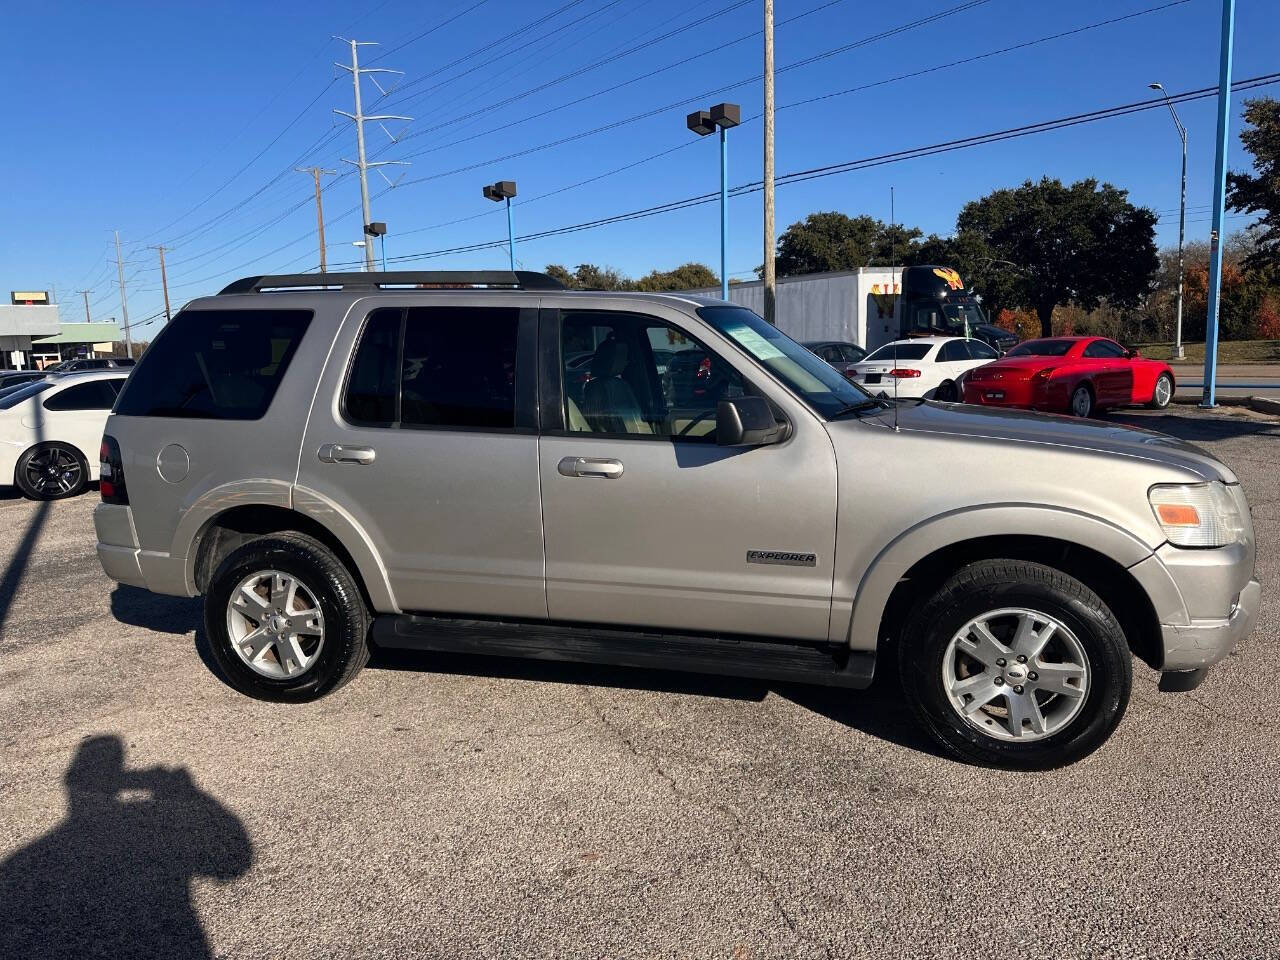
<point>1208,397</point>
<point>315,174</point>
<point>124,304</point>
<point>164,283</point>
<point>770,281</point>
<point>361,163</point>
<point>86,304</point>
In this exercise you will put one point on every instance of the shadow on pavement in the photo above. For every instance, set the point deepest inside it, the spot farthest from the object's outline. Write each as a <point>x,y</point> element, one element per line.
<point>879,711</point>
<point>155,611</point>
<point>15,570</point>
<point>1197,428</point>
<point>114,878</point>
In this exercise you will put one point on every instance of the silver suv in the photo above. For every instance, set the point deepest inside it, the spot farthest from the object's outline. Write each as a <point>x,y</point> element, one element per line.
<point>483,462</point>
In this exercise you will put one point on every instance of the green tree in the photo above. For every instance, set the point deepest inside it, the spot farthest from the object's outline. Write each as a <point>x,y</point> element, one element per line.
<point>835,241</point>
<point>588,276</point>
<point>1260,192</point>
<point>687,276</point>
<point>1081,244</point>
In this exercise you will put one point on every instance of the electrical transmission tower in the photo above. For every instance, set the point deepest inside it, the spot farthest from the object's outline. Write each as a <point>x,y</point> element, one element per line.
<point>361,163</point>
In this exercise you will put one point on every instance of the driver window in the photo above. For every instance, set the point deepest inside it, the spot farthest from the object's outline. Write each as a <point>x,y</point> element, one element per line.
<point>633,375</point>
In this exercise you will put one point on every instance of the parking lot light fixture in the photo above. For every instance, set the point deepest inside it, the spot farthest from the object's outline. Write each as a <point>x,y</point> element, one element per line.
<point>703,122</point>
<point>498,192</point>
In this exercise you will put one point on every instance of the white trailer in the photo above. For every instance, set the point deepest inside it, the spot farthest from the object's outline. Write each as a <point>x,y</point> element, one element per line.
<point>859,306</point>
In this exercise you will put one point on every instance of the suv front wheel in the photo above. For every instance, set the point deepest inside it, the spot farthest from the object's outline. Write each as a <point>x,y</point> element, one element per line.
<point>285,619</point>
<point>1016,664</point>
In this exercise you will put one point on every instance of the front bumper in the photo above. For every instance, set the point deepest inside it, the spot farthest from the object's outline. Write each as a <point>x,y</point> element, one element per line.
<point>1202,643</point>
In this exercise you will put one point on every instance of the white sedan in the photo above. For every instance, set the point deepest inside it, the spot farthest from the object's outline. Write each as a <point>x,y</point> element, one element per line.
<point>51,432</point>
<point>928,367</point>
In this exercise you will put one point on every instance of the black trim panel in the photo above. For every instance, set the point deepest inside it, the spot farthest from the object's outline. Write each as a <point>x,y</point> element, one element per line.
<point>764,659</point>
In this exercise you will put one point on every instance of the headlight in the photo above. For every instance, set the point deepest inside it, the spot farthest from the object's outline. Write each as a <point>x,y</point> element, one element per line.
<point>1197,515</point>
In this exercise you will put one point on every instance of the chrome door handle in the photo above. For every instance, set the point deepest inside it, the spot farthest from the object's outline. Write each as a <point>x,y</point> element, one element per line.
<point>337,453</point>
<point>590,467</point>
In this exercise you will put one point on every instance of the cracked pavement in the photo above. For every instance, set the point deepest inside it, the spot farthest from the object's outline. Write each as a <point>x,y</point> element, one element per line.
<point>467,807</point>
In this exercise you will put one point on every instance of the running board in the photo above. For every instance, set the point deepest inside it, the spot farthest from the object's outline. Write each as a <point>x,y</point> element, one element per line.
<point>760,659</point>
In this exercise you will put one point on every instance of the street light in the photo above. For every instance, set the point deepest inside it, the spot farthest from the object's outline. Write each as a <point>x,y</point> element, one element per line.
<point>362,244</point>
<point>497,192</point>
<point>1178,352</point>
<point>703,122</point>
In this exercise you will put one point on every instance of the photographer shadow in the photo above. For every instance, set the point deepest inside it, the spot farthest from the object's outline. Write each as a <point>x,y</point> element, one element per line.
<point>114,878</point>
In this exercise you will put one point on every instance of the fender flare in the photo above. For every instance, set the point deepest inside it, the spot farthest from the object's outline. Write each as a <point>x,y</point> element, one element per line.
<point>971,523</point>
<point>279,493</point>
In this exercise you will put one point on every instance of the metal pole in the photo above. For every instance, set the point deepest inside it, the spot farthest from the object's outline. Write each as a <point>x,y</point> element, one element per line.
<point>511,237</point>
<point>1219,205</point>
<point>361,164</point>
<point>124,305</point>
<point>383,243</point>
<point>1178,352</point>
<point>770,281</point>
<point>164,284</point>
<point>86,306</point>
<point>724,214</point>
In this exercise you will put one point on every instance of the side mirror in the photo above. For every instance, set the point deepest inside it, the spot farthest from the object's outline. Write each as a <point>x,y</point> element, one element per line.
<point>746,422</point>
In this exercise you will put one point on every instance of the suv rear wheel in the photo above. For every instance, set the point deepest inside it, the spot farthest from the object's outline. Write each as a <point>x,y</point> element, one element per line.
<point>285,619</point>
<point>1016,664</point>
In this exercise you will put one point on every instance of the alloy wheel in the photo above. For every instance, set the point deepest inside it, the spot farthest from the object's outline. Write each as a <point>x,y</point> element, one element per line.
<point>53,471</point>
<point>275,624</point>
<point>1164,391</point>
<point>1016,674</point>
<point>1081,402</point>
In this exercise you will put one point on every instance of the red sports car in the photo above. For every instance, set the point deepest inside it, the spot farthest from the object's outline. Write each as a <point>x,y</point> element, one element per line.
<point>1075,375</point>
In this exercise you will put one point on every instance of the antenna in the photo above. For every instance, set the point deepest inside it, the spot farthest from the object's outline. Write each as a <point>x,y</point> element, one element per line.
<point>897,302</point>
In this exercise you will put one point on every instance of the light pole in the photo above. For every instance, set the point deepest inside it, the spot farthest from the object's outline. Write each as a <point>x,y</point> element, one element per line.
<point>363,245</point>
<point>703,122</point>
<point>378,229</point>
<point>497,192</point>
<point>1178,352</point>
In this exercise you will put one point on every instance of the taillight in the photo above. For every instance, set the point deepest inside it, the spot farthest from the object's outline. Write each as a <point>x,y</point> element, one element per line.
<point>1040,376</point>
<point>111,472</point>
<point>903,373</point>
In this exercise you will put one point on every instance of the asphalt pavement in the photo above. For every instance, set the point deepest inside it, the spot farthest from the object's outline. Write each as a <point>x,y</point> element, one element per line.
<point>467,807</point>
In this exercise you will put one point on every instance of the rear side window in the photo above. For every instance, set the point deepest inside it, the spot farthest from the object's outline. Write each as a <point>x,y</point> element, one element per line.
<point>435,367</point>
<point>215,365</point>
<point>94,395</point>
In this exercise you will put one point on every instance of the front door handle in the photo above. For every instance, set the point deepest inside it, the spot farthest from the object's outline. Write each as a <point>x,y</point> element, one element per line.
<point>338,453</point>
<point>590,467</point>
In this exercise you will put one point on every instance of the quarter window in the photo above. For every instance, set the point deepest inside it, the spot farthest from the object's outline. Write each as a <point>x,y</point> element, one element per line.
<point>981,351</point>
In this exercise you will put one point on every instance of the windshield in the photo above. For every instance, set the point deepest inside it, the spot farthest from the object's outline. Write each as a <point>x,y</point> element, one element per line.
<point>819,383</point>
<point>12,396</point>
<point>963,316</point>
<point>899,350</point>
<point>1041,348</point>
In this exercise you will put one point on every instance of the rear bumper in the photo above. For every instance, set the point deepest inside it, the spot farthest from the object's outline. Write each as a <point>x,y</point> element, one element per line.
<point>125,562</point>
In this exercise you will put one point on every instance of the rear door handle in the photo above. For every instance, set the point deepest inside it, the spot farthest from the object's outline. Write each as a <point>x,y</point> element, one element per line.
<point>590,467</point>
<point>337,453</point>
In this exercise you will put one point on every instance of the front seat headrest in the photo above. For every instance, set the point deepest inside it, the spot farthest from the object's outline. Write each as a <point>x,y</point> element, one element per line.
<point>609,360</point>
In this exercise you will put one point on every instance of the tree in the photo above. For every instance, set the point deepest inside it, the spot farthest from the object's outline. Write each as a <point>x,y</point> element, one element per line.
<point>688,276</point>
<point>1080,244</point>
<point>590,277</point>
<point>1260,192</point>
<point>587,276</point>
<point>834,241</point>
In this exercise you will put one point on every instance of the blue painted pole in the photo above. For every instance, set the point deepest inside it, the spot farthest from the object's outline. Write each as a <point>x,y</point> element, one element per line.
<point>724,215</point>
<point>511,236</point>
<point>1208,398</point>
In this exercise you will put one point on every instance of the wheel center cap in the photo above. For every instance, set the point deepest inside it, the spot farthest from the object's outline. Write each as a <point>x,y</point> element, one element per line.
<point>1015,673</point>
<point>277,623</point>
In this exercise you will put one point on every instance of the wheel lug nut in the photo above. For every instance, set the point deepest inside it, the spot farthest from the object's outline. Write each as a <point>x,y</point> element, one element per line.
<point>1033,675</point>
<point>1000,661</point>
<point>1021,658</point>
<point>1018,688</point>
<point>999,681</point>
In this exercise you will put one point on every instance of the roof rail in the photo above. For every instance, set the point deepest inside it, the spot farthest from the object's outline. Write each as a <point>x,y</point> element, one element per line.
<point>518,279</point>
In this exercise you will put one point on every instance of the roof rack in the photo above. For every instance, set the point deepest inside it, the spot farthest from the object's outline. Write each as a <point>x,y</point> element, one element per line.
<point>517,279</point>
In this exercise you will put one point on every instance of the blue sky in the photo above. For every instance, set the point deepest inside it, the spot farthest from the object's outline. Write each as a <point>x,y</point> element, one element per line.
<point>167,121</point>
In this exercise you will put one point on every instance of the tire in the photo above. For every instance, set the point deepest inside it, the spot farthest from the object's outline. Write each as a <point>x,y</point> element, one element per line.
<point>316,666</point>
<point>1163,388</point>
<point>1081,403</point>
<point>1071,726</point>
<point>946,392</point>
<point>51,471</point>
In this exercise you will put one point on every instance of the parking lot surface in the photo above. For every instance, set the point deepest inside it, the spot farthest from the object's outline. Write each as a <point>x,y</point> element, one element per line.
<point>468,807</point>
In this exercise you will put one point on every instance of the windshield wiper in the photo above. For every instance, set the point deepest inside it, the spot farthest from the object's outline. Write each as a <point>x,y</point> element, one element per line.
<point>871,403</point>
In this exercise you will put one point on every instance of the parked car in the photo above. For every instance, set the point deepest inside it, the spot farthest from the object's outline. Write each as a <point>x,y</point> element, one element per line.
<point>382,463</point>
<point>1076,375</point>
<point>14,378</point>
<point>50,432</point>
<point>91,363</point>
<point>998,338</point>
<point>928,367</point>
<point>838,353</point>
